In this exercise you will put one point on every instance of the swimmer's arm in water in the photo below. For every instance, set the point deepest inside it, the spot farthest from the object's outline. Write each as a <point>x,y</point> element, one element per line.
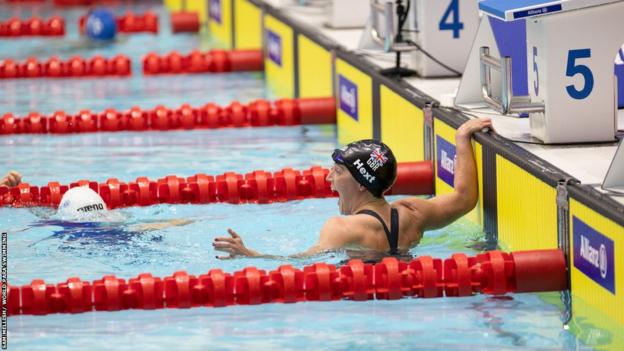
<point>12,179</point>
<point>445,209</point>
<point>334,235</point>
<point>146,227</point>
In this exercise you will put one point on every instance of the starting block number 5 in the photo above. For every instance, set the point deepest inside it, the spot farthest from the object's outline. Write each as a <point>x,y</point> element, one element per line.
<point>572,68</point>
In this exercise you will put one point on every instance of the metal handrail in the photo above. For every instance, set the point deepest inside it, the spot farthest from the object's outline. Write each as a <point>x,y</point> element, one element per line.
<point>508,103</point>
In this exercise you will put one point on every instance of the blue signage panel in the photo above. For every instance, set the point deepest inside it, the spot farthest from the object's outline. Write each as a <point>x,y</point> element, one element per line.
<point>214,10</point>
<point>446,161</point>
<point>594,254</point>
<point>274,47</point>
<point>536,11</point>
<point>348,95</point>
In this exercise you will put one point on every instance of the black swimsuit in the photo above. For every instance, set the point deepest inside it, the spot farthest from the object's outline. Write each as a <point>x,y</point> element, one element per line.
<point>393,234</point>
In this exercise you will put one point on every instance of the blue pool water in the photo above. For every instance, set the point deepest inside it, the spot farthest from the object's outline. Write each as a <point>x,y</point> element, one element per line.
<point>21,96</point>
<point>40,246</point>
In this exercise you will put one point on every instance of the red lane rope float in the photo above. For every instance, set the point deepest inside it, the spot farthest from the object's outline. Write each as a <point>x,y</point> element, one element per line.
<point>34,26</point>
<point>130,23</point>
<point>87,2</point>
<point>96,66</point>
<point>256,187</point>
<point>213,61</point>
<point>185,22</point>
<point>25,1</point>
<point>74,2</point>
<point>259,113</point>
<point>493,272</point>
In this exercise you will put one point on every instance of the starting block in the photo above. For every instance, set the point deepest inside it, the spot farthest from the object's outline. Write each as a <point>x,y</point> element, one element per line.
<point>570,51</point>
<point>443,29</point>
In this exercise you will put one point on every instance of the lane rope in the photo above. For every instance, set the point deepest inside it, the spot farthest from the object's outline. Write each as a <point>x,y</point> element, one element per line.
<point>413,178</point>
<point>258,113</point>
<point>493,273</point>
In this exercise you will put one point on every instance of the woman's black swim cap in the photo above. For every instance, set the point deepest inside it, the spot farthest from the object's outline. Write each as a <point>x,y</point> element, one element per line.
<point>371,163</point>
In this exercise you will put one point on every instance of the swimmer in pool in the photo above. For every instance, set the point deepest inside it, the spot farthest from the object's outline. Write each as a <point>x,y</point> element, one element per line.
<point>361,174</point>
<point>82,213</point>
<point>12,179</point>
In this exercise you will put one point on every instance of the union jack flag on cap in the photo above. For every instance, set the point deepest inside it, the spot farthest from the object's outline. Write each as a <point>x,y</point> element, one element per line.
<point>379,156</point>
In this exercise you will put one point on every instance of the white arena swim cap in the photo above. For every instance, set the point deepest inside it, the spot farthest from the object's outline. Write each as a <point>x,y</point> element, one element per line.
<point>81,203</point>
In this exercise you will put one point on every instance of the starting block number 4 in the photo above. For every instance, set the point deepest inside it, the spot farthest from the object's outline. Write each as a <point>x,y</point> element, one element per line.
<point>450,19</point>
<point>445,29</point>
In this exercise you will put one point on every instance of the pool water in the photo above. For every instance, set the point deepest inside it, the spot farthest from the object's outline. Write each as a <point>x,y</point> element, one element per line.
<point>21,96</point>
<point>41,246</point>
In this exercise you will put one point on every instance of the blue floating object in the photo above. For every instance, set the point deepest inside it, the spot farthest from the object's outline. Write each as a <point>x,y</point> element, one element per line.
<point>101,25</point>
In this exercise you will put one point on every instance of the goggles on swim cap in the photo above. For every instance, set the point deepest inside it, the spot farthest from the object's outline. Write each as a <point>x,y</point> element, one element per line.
<point>81,203</point>
<point>371,163</point>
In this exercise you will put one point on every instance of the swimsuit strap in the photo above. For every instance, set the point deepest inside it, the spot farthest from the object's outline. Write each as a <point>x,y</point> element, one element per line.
<point>393,234</point>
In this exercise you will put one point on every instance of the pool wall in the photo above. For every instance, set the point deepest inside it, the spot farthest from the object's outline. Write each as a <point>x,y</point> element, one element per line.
<point>525,202</point>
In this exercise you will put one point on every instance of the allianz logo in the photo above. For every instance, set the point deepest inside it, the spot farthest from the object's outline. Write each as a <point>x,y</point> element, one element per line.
<point>596,257</point>
<point>215,8</point>
<point>348,96</point>
<point>447,163</point>
<point>274,46</point>
<point>537,11</point>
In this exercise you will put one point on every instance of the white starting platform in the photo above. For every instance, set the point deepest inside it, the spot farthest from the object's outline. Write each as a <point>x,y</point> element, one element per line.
<point>572,95</point>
